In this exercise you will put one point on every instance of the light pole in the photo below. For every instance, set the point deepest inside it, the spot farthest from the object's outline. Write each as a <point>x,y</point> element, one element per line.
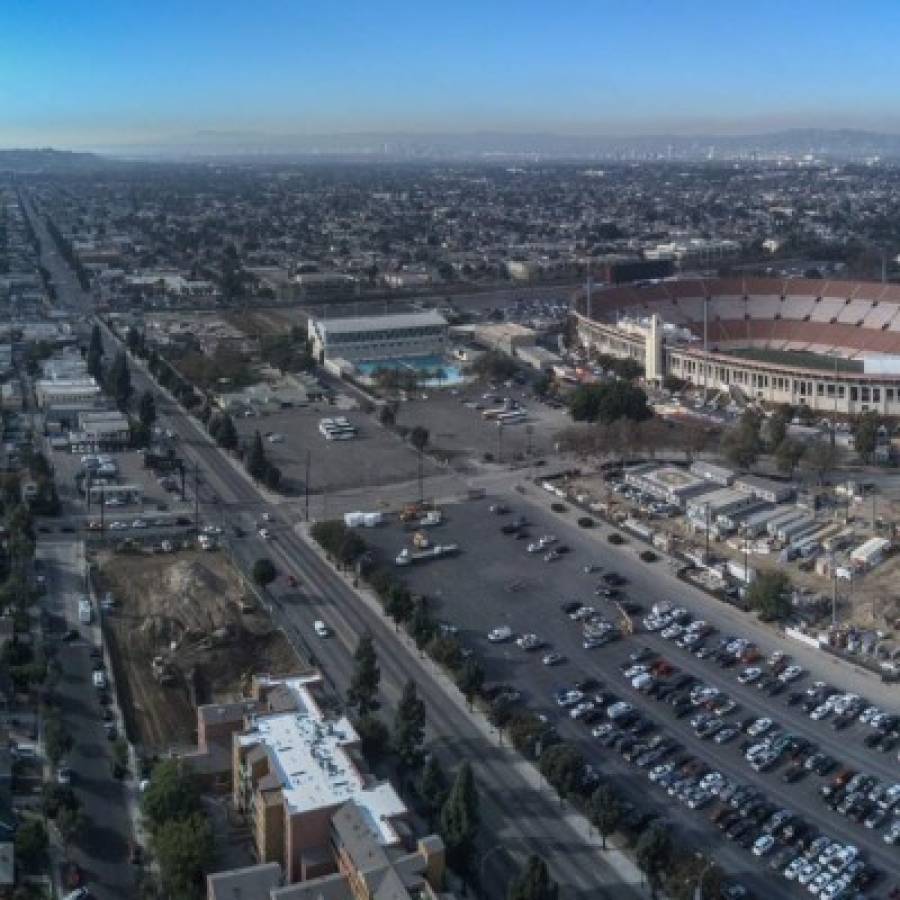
<point>484,858</point>
<point>698,891</point>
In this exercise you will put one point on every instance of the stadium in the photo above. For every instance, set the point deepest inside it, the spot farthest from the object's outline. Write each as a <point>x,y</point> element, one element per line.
<point>833,346</point>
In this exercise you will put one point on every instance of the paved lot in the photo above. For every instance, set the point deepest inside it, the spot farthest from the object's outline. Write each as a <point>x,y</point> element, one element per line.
<point>374,457</point>
<point>460,434</point>
<point>495,581</point>
<point>131,471</point>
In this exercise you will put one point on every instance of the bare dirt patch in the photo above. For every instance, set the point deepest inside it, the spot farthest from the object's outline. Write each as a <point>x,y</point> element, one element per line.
<point>185,609</point>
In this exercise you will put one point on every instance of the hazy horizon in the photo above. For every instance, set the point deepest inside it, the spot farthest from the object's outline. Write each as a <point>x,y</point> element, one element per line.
<point>141,74</point>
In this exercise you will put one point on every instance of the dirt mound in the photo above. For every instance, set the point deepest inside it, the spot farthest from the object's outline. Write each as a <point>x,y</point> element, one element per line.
<point>189,599</point>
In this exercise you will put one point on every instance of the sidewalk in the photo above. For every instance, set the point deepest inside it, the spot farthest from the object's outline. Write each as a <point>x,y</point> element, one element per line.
<point>622,865</point>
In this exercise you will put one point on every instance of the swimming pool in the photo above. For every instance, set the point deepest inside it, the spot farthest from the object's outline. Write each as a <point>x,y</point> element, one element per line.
<point>451,373</point>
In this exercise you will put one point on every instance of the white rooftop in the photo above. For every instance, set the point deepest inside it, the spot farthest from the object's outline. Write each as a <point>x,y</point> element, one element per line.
<point>310,760</point>
<point>380,323</point>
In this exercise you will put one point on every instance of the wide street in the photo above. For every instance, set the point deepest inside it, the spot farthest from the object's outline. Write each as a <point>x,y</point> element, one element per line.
<point>102,848</point>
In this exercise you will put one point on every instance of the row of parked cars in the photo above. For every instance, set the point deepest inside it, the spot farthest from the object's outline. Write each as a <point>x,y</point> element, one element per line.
<point>774,675</point>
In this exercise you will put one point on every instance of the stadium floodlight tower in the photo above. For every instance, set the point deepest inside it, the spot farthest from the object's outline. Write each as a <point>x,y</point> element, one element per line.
<point>653,351</point>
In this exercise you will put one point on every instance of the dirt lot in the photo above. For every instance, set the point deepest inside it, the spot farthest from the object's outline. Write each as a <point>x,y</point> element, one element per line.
<point>185,608</point>
<point>265,322</point>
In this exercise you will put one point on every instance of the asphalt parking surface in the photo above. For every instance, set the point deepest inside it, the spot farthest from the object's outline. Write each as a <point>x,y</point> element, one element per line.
<point>495,581</point>
<point>374,457</point>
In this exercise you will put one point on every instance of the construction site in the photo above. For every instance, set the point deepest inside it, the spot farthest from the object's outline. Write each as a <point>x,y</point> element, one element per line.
<point>182,630</point>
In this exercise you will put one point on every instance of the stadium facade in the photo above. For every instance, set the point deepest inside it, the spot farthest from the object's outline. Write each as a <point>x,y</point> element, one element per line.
<point>831,345</point>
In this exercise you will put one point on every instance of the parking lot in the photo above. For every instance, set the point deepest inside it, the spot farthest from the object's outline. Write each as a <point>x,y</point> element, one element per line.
<point>460,434</point>
<point>374,457</point>
<point>496,582</point>
<point>130,470</point>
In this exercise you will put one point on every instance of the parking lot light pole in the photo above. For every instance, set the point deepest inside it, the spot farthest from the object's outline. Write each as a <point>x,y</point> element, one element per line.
<point>698,891</point>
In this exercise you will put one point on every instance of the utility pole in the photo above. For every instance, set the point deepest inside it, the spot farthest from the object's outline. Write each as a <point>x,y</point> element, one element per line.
<point>499,442</point>
<point>197,497</point>
<point>706,558</point>
<point>421,476</point>
<point>833,598</point>
<point>306,483</point>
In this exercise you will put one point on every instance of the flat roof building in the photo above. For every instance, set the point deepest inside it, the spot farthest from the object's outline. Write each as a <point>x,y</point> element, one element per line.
<point>322,827</point>
<point>370,338</point>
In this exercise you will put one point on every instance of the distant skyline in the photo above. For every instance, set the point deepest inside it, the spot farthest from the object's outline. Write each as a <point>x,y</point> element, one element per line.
<point>105,73</point>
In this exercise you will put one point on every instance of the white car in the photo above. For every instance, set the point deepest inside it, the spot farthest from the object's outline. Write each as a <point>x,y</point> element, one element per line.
<point>791,673</point>
<point>749,675</point>
<point>763,845</point>
<point>792,870</point>
<point>820,712</point>
<point>138,523</point>
<point>808,872</point>
<point>582,708</point>
<point>500,634</point>
<point>265,534</point>
<point>760,726</point>
<point>529,642</point>
<point>118,526</point>
<point>63,775</point>
<point>321,629</point>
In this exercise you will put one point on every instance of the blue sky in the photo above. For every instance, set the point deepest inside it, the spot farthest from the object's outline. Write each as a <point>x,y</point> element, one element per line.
<point>95,71</point>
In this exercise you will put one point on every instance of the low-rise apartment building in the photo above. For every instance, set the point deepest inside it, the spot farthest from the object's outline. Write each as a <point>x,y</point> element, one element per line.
<point>321,826</point>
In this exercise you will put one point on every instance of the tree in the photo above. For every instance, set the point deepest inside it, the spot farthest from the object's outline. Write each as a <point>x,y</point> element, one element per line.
<point>374,737</point>
<point>387,415</point>
<point>608,402</point>
<point>225,433</point>
<point>432,786</point>
<point>264,571</point>
<point>418,437</point>
<point>366,677</point>
<point>94,357</point>
<point>533,882</point>
<point>147,410</point>
<point>422,626</point>
<point>118,381</point>
<point>70,821</point>
<point>788,454</point>
<point>31,843</point>
<point>409,727</point>
<point>654,854</point>
<point>57,741</point>
<point>272,477</point>
<point>865,434</point>
<point>820,456</point>
<point>184,849</point>
<point>776,425</point>
<point>470,678</point>
<point>459,818</point>
<point>172,794</point>
<point>563,766</point>
<point>256,459</point>
<point>769,595</point>
<point>399,603</point>
<point>741,444</point>
<point>605,811</point>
